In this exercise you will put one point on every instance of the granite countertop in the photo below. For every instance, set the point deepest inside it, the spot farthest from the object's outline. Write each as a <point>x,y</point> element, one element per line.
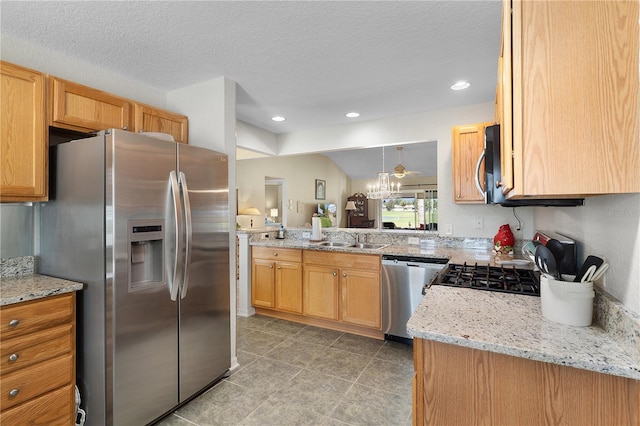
<point>513,325</point>
<point>22,288</point>
<point>453,254</point>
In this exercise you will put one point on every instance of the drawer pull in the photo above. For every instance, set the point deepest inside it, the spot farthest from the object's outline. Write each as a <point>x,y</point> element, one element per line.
<point>13,357</point>
<point>13,393</point>
<point>14,323</point>
<point>275,254</point>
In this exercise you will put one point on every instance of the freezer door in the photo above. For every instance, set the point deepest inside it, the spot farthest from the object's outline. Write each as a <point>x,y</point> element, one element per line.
<point>205,352</point>
<point>140,224</point>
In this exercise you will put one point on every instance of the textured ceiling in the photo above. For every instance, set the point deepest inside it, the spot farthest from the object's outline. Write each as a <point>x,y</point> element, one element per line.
<point>309,61</point>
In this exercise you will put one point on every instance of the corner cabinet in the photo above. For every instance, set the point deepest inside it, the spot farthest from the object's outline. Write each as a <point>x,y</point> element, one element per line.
<point>150,119</point>
<point>84,109</point>
<point>37,367</point>
<point>467,146</point>
<point>568,98</point>
<point>23,134</point>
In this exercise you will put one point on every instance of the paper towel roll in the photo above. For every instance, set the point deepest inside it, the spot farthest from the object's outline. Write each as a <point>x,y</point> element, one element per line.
<point>316,226</point>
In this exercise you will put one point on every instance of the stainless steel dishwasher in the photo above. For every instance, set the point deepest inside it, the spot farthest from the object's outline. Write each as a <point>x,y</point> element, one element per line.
<point>403,278</point>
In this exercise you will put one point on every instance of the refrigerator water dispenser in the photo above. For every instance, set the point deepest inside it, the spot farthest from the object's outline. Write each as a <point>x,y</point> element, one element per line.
<point>146,248</point>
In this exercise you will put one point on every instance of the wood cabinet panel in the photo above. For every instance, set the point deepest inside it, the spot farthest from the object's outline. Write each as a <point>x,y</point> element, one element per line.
<point>23,351</point>
<point>285,255</point>
<point>574,128</point>
<point>360,298</point>
<point>85,109</point>
<point>37,370</point>
<point>262,283</point>
<point>35,315</point>
<point>371,262</point>
<point>288,287</point>
<point>36,380</point>
<point>54,408</point>
<point>320,291</point>
<point>457,385</point>
<point>150,119</point>
<point>467,146</point>
<point>23,134</point>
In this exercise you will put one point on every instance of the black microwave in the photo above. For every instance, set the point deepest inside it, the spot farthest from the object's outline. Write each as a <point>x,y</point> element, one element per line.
<point>492,193</point>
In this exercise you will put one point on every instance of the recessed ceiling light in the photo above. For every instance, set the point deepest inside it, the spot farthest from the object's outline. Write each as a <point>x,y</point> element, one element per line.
<point>278,118</point>
<point>352,114</point>
<point>460,85</point>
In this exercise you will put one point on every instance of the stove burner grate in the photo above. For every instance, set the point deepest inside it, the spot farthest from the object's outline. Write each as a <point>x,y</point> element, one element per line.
<point>490,278</point>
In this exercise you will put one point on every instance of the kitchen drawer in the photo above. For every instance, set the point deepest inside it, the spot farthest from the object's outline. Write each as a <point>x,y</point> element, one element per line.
<point>29,349</point>
<point>284,255</point>
<point>36,380</point>
<point>54,408</point>
<point>35,315</point>
<point>371,262</point>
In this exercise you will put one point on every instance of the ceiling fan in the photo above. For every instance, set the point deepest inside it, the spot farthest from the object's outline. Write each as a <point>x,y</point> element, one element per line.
<point>400,171</point>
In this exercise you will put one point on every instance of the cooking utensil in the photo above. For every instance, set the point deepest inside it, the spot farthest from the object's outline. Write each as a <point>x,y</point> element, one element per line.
<point>594,273</point>
<point>589,261</point>
<point>528,251</point>
<point>546,262</point>
<point>556,248</point>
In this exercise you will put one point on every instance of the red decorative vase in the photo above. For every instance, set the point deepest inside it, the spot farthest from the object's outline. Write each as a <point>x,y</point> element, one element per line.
<point>504,240</point>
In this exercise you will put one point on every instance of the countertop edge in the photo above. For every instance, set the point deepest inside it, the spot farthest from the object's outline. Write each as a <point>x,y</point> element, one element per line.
<point>24,288</point>
<point>438,318</point>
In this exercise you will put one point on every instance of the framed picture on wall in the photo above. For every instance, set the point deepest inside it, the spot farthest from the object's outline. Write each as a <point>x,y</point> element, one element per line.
<point>321,189</point>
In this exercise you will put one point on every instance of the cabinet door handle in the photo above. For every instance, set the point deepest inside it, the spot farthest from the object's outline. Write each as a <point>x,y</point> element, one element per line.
<point>344,274</point>
<point>279,267</point>
<point>14,323</point>
<point>335,273</point>
<point>275,254</point>
<point>13,357</point>
<point>13,393</point>
<point>271,266</point>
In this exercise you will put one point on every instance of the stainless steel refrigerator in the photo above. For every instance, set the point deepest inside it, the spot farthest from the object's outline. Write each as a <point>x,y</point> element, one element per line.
<point>144,223</point>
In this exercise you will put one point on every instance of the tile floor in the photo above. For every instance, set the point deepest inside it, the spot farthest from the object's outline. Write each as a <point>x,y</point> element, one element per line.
<point>293,374</point>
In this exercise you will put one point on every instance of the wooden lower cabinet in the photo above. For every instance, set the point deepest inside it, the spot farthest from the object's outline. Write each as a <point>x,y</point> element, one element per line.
<point>321,291</point>
<point>276,279</point>
<point>463,386</point>
<point>37,369</point>
<point>360,298</point>
<point>336,290</point>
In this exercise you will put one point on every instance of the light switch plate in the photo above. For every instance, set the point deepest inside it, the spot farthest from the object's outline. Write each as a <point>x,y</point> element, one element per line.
<point>448,229</point>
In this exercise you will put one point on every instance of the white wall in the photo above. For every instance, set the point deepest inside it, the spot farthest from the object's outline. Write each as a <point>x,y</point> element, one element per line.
<point>607,225</point>
<point>256,139</point>
<point>300,173</point>
<point>23,53</point>
<point>429,125</point>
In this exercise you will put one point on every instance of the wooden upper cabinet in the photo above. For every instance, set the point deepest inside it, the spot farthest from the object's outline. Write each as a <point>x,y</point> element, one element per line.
<point>468,145</point>
<point>84,109</point>
<point>570,81</point>
<point>23,134</point>
<point>150,119</point>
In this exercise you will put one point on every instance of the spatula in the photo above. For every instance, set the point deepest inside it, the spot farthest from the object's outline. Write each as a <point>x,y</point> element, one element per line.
<point>589,261</point>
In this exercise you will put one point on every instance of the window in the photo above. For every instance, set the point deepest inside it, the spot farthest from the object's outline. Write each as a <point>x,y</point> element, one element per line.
<point>411,210</point>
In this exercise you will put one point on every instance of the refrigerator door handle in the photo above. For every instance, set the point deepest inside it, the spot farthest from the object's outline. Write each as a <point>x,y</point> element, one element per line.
<point>174,279</point>
<point>188,235</point>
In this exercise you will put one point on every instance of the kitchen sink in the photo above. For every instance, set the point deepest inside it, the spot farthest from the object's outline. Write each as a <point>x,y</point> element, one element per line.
<point>334,244</point>
<point>368,246</point>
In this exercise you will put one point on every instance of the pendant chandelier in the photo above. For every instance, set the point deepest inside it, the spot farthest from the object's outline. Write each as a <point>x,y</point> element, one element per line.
<point>383,187</point>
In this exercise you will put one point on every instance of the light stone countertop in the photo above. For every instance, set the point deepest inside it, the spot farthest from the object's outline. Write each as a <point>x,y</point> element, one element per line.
<point>513,325</point>
<point>23,288</point>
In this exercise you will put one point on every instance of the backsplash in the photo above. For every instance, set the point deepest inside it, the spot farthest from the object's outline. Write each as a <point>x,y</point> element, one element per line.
<point>15,266</point>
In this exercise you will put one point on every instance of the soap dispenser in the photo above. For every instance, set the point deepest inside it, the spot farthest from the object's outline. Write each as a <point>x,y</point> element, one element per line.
<point>281,233</point>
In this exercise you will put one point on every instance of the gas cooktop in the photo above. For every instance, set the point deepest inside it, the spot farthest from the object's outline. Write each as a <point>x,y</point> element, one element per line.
<point>490,278</point>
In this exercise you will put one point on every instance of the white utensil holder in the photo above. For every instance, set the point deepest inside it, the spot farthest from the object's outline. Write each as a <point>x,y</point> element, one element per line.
<point>567,302</point>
